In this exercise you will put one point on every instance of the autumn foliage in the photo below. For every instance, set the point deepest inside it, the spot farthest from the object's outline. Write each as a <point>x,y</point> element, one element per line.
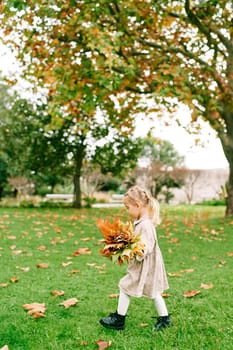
<point>121,243</point>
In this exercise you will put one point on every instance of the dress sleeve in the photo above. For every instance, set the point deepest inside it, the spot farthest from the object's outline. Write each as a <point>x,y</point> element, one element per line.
<point>147,231</point>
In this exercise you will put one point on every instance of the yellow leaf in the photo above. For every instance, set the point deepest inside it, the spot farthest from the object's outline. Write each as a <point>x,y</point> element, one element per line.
<point>206,286</point>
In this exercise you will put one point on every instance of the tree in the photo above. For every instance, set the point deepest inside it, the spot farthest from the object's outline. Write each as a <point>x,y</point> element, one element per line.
<point>171,51</point>
<point>161,173</point>
<point>62,61</point>
<point>190,178</point>
<point>156,150</point>
<point>3,176</point>
<point>157,167</point>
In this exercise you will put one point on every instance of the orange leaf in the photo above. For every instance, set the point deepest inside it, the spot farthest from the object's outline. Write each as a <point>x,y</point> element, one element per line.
<point>191,293</point>
<point>42,266</point>
<point>103,344</point>
<point>14,279</point>
<point>58,293</point>
<point>69,302</point>
<point>42,248</point>
<point>173,240</point>
<point>166,295</point>
<point>85,251</point>
<point>38,315</point>
<point>229,253</point>
<point>35,309</point>
<point>206,286</point>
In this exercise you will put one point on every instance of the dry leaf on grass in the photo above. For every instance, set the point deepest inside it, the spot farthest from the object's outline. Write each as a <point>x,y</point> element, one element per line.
<point>113,295</point>
<point>83,342</point>
<point>58,293</point>
<point>42,248</point>
<point>72,272</point>
<point>187,270</point>
<point>64,264</point>
<point>191,293</point>
<point>174,274</point>
<point>24,269</point>
<point>206,286</point>
<point>3,285</point>
<point>42,266</point>
<point>166,295</point>
<point>69,302</point>
<point>14,279</point>
<point>143,325</point>
<point>84,251</point>
<point>5,347</point>
<point>17,252</point>
<point>103,344</point>
<point>37,310</point>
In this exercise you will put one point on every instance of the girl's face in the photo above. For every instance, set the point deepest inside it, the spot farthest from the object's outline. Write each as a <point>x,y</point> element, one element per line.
<point>133,209</point>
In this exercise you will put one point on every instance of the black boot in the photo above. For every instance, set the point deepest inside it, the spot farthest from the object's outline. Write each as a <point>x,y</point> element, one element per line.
<point>113,321</point>
<point>162,322</point>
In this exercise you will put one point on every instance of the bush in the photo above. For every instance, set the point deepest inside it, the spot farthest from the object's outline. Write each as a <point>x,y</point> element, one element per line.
<point>214,202</point>
<point>27,203</point>
<point>110,184</point>
<point>51,204</point>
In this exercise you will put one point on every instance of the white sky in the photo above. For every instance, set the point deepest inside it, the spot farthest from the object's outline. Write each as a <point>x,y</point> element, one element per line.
<point>208,156</point>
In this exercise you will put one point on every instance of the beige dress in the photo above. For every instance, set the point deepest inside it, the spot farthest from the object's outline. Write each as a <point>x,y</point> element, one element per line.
<point>148,276</point>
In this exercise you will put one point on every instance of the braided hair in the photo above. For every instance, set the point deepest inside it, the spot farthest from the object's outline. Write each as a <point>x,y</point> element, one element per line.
<point>137,194</point>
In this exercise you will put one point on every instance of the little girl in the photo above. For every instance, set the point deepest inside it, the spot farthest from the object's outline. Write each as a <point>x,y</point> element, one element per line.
<point>146,276</point>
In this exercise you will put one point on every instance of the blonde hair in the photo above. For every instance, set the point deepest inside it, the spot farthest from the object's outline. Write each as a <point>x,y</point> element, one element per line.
<point>137,194</point>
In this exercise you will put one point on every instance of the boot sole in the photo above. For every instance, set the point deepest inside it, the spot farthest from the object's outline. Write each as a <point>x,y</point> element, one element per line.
<point>120,328</point>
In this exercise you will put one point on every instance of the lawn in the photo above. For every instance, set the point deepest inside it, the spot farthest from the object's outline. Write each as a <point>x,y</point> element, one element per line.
<point>47,250</point>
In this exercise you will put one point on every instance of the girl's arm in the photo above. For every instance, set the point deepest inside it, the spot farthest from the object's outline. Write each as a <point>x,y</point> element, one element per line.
<point>148,238</point>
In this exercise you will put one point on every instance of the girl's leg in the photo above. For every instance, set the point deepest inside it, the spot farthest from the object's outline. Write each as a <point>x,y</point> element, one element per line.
<point>163,320</point>
<point>116,320</point>
<point>123,303</point>
<point>160,305</point>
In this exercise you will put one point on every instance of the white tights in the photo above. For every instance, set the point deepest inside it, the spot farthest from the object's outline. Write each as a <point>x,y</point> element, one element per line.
<point>124,301</point>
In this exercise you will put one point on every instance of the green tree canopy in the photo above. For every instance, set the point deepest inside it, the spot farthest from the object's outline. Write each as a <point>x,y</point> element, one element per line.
<point>173,51</point>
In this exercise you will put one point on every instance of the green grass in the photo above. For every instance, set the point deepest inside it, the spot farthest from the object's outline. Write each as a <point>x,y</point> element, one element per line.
<point>190,237</point>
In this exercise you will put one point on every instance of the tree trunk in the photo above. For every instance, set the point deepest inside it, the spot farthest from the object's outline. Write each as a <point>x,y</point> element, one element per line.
<point>80,153</point>
<point>229,209</point>
<point>227,144</point>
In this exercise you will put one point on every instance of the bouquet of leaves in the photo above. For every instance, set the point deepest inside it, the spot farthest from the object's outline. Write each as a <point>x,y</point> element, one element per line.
<point>121,243</point>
